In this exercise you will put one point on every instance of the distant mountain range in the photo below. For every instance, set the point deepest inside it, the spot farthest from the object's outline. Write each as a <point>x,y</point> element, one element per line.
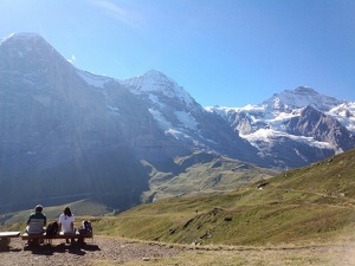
<point>295,127</point>
<point>67,134</point>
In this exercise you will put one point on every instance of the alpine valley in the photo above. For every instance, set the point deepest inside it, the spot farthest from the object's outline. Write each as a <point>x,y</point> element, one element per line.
<point>67,134</point>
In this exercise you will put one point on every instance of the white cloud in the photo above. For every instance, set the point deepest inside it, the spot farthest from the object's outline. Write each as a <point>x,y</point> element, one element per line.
<point>72,59</point>
<point>120,13</point>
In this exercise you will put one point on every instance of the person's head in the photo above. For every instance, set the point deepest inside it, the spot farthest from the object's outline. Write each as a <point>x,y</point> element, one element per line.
<point>38,208</point>
<point>67,211</point>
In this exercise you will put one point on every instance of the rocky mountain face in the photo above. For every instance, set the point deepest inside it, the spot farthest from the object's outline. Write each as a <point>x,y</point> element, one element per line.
<point>315,124</point>
<point>67,134</point>
<point>62,138</point>
<point>295,127</point>
<point>180,118</point>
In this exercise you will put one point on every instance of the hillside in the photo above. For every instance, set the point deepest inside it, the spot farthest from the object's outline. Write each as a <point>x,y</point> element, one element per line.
<point>201,173</point>
<point>300,217</point>
<point>316,203</point>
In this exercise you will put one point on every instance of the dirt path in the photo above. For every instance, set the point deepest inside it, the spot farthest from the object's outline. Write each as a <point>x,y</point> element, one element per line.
<point>100,248</point>
<point>112,251</point>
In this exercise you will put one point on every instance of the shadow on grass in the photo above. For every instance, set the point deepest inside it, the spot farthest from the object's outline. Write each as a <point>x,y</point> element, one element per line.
<point>75,248</point>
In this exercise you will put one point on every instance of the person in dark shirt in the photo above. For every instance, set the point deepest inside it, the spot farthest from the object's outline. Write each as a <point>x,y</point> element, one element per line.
<point>36,222</point>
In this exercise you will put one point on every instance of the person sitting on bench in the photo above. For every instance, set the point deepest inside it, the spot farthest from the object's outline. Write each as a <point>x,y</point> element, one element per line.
<point>36,222</point>
<point>66,222</point>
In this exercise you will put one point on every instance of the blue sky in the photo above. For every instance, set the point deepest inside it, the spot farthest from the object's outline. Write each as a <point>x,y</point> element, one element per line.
<point>223,52</point>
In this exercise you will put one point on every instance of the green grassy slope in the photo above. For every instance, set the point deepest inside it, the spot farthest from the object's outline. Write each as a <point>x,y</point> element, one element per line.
<point>316,203</point>
<point>203,173</point>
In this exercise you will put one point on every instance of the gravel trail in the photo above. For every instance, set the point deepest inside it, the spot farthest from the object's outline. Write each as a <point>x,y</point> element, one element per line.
<point>100,248</point>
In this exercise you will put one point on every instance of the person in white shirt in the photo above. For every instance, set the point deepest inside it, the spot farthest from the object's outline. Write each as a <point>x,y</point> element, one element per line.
<point>66,222</point>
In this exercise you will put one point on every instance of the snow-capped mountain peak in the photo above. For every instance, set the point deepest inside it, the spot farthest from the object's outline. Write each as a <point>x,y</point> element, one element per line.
<point>155,75</point>
<point>299,98</point>
<point>22,37</point>
<point>155,82</point>
<point>292,121</point>
<point>170,105</point>
<point>27,49</point>
<point>345,114</point>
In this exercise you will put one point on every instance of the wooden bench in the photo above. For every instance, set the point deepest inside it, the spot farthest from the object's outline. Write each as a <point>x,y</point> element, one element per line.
<point>5,238</point>
<point>36,238</point>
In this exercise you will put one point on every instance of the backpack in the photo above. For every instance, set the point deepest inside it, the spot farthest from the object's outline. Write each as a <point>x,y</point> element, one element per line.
<point>52,228</point>
<point>85,227</point>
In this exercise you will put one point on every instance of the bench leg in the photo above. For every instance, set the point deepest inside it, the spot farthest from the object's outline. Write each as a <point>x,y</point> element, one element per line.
<point>34,242</point>
<point>80,240</point>
<point>4,243</point>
